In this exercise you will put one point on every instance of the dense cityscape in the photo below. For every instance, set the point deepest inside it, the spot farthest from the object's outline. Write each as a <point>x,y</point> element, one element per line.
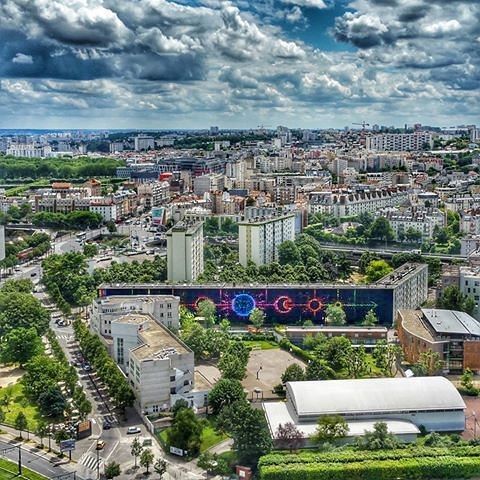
<point>239,239</point>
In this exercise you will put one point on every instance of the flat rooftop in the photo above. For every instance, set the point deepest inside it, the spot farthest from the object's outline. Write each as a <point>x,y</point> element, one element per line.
<point>401,274</point>
<point>158,342</point>
<point>451,322</point>
<point>414,323</point>
<point>120,299</point>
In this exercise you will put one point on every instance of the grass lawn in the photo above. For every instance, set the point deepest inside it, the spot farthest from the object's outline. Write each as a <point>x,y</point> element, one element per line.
<point>19,402</point>
<point>261,344</point>
<point>8,470</point>
<point>208,438</point>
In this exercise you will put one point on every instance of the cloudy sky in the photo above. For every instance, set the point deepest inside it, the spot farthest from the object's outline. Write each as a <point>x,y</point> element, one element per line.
<point>238,63</point>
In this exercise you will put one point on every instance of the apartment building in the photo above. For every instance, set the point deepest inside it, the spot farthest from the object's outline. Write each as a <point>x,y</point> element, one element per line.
<point>164,309</point>
<point>259,238</point>
<point>157,364</point>
<point>423,220</point>
<point>208,183</point>
<point>185,252</point>
<point>342,203</point>
<point>153,194</point>
<point>400,142</point>
<point>144,142</point>
<point>470,286</point>
<point>29,150</point>
<point>470,221</point>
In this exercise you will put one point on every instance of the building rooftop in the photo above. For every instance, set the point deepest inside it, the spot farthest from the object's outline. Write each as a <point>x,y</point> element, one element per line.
<point>158,342</point>
<point>323,329</point>
<point>451,322</point>
<point>280,413</point>
<point>373,395</point>
<point>413,322</point>
<point>401,274</point>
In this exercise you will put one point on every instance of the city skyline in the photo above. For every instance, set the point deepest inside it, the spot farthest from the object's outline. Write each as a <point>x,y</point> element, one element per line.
<point>156,64</point>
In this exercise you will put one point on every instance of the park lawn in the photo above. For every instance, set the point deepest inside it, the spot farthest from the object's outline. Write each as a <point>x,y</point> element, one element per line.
<point>261,344</point>
<point>19,402</point>
<point>6,466</point>
<point>210,437</point>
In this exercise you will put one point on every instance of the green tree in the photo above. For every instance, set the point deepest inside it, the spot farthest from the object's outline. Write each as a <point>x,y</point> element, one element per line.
<point>370,319</point>
<point>429,363</point>
<point>318,370</point>
<point>381,229</point>
<point>21,423</point>
<point>249,430</point>
<point>136,449</point>
<point>387,356</point>
<point>20,345</point>
<point>225,392</point>
<point>356,362</point>
<point>335,315</point>
<point>207,309</point>
<point>288,253</point>
<point>160,467</point>
<point>185,432</point>
<point>52,402</point>
<point>335,352</point>
<point>466,381</point>
<point>365,260</point>
<point>330,428</point>
<point>257,317</point>
<point>453,299</point>
<point>112,470</point>
<point>2,415</point>
<point>41,431</point>
<point>90,250</point>
<point>293,373</point>
<point>224,325</point>
<point>146,459</point>
<point>232,367</point>
<point>378,439</point>
<point>377,269</point>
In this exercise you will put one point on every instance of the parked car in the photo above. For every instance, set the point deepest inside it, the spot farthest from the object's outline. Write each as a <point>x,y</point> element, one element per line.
<point>133,430</point>
<point>87,367</point>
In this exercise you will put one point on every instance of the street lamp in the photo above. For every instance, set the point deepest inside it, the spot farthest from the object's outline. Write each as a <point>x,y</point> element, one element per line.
<point>258,371</point>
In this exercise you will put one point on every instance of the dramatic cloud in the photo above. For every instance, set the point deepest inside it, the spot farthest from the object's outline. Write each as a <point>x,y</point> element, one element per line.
<point>238,63</point>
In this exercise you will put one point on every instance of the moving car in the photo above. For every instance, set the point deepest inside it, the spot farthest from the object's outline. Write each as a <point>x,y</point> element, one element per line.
<point>133,430</point>
<point>100,444</point>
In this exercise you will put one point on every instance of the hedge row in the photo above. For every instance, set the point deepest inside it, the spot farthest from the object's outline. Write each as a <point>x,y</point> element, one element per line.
<point>405,469</point>
<point>347,456</point>
<point>297,351</point>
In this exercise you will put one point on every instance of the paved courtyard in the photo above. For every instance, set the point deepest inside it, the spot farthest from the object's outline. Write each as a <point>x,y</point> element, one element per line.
<point>269,364</point>
<point>9,375</point>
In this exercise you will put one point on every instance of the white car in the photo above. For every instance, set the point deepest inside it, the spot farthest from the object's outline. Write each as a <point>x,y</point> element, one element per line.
<point>133,430</point>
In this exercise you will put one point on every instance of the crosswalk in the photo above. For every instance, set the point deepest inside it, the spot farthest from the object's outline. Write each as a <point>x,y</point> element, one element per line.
<point>65,336</point>
<point>110,418</point>
<point>90,461</point>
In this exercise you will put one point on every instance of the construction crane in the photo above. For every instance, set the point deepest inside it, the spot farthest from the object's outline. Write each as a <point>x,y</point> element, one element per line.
<point>363,124</point>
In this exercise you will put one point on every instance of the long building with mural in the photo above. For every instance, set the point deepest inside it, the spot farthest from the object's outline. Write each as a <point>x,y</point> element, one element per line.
<point>404,288</point>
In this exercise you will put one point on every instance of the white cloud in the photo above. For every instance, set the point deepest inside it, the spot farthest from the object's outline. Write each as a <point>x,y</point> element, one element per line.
<point>22,58</point>
<point>307,3</point>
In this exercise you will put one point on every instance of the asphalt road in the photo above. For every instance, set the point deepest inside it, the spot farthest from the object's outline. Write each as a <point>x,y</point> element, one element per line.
<point>34,461</point>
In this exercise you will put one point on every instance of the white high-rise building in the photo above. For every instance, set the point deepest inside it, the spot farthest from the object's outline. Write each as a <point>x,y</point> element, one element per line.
<point>185,252</point>
<point>144,142</point>
<point>259,238</point>
<point>29,150</point>
<point>400,142</point>
<point>2,242</point>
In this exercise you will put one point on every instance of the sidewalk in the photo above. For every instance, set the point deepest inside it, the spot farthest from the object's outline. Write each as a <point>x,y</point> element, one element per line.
<point>31,444</point>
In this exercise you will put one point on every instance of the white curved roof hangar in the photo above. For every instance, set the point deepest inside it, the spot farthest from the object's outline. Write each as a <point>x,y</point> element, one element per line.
<point>372,395</point>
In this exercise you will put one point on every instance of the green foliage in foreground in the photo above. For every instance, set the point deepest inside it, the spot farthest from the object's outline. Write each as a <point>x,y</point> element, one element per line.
<point>8,470</point>
<point>408,463</point>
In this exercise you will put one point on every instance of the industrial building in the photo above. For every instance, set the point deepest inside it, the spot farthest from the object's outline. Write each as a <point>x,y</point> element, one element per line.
<point>405,404</point>
<point>454,335</point>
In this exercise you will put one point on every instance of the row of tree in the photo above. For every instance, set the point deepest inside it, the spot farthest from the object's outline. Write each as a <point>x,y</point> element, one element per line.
<point>106,368</point>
